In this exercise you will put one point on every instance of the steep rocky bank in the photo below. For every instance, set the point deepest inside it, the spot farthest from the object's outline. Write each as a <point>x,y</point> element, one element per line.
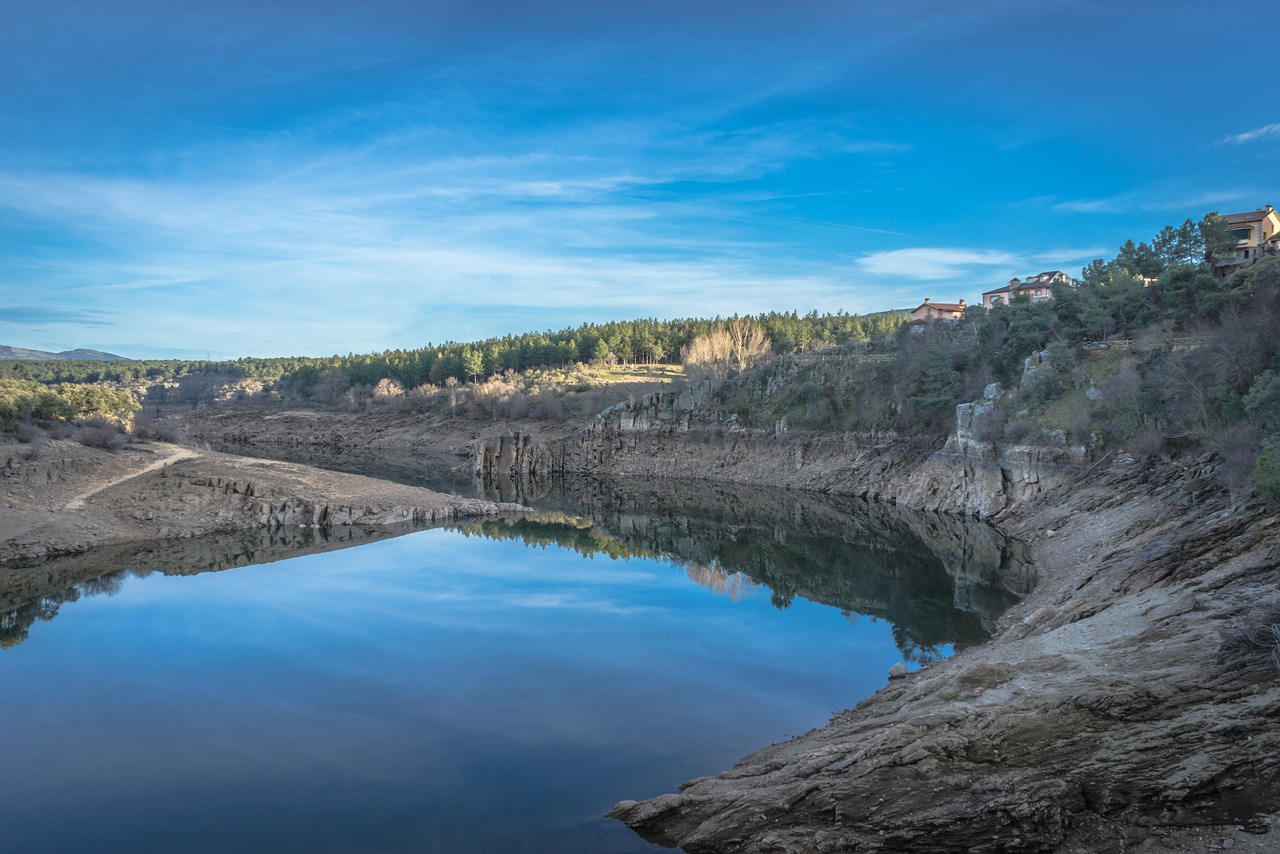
<point>1112,708</point>
<point>401,445</point>
<point>666,434</point>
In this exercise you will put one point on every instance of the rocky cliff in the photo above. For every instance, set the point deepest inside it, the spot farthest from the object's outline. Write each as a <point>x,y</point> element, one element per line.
<point>185,499</point>
<point>667,435</point>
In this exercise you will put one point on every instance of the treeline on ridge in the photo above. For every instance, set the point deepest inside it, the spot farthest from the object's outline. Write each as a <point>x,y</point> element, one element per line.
<point>646,341</point>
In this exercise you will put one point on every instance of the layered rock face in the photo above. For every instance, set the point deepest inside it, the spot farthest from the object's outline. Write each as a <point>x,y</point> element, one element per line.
<point>32,474</point>
<point>664,435</point>
<point>972,475</point>
<point>205,503</point>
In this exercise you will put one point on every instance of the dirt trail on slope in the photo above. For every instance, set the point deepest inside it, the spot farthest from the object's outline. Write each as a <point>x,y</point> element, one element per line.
<point>65,499</point>
<point>177,454</point>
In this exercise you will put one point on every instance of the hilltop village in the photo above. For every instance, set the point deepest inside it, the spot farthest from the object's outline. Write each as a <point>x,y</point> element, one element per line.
<point>1252,236</point>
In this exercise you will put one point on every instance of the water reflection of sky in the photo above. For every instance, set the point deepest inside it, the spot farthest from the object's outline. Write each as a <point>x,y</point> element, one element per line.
<point>432,693</point>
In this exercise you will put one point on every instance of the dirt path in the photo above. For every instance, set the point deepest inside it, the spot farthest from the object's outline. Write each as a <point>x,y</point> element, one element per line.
<point>179,454</point>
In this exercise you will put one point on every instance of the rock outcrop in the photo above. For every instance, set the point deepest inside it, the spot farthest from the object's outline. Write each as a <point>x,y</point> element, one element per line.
<point>961,476</point>
<point>212,503</point>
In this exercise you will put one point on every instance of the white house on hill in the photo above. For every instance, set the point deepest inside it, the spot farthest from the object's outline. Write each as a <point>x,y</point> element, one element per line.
<point>1038,287</point>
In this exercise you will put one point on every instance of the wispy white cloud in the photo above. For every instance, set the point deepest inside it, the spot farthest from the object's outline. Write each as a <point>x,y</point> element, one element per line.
<point>1192,204</point>
<point>932,263</point>
<point>1111,205</point>
<point>41,315</point>
<point>1069,255</point>
<point>483,192</point>
<point>1264,132</point>
<point>966,272</point>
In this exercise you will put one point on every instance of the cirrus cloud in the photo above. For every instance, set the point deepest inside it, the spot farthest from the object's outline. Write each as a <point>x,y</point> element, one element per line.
<point>932,263</point>
<point>1264,132</point>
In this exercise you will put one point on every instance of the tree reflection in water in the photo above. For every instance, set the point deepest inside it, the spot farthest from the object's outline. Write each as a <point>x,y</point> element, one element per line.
<point>940,581</point>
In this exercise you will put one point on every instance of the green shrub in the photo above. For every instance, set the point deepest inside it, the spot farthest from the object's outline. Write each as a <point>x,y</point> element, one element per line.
<point>1266,476</point>
<point>26,432</point>
<point>27,400</point>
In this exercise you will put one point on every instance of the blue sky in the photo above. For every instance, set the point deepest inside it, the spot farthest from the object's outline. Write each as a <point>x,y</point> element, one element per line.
<point>277,178</point>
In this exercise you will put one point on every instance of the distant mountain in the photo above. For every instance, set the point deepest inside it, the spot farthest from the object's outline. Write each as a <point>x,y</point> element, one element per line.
<point>65,355</point>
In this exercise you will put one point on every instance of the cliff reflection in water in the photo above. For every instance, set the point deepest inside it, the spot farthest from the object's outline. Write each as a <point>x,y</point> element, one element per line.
<point>939,580</point>
<point>34,592</point>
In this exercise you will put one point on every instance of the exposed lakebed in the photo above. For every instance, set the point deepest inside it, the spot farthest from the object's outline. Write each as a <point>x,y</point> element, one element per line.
<point>493,686</point>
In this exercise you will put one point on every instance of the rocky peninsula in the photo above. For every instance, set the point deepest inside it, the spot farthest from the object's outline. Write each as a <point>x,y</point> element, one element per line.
<point>67,498</point>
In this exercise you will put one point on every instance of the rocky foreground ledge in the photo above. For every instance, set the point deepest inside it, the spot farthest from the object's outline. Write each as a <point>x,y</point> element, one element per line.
<point>66,499</point>
<point>1118,708</point>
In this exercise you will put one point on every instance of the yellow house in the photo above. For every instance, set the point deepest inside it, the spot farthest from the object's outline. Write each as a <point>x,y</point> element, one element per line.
<point>1256,232</point>
<point>927,312</point>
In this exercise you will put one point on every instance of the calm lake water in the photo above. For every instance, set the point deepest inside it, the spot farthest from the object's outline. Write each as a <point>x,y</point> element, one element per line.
<point>494,687</point>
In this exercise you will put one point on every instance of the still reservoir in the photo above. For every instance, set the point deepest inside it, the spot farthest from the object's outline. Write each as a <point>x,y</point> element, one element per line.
<point>491,687</point>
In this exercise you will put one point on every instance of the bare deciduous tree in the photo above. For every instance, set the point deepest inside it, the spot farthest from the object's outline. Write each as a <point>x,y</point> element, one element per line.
<point>747,343</point>
<point>737,345</point>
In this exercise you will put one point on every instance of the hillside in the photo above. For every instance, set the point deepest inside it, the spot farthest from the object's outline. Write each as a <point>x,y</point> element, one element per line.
<point>80,354</point>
